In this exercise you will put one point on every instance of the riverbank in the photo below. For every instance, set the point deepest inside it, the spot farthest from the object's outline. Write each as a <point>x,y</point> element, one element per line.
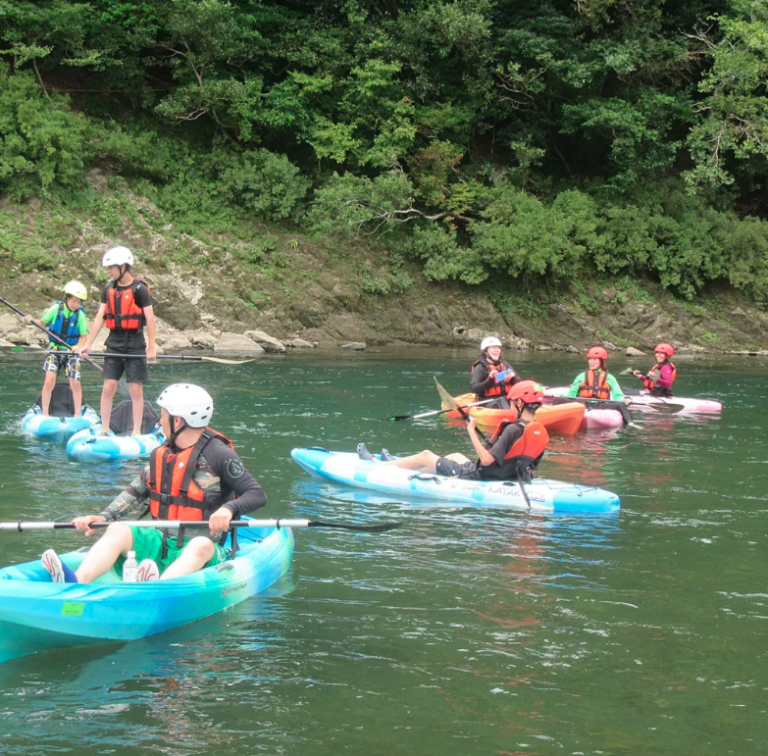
<point>260,288</point>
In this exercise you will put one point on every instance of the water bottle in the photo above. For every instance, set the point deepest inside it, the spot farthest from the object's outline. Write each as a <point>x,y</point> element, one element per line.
<point>130,568</point>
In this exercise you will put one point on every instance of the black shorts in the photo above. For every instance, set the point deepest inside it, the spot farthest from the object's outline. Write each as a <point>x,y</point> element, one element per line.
<point>134,368</point>
<point>451,469</point>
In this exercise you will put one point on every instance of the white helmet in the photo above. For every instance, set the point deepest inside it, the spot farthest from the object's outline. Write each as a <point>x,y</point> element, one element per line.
<point>489,341</point>
<point>76,289</point>
<point>117,256</point>
<point>187,401</point>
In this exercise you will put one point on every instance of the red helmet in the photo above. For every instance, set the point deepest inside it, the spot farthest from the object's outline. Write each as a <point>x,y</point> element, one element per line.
<point>598,352</point>
<point>528,391</point>
<point>665,348</point>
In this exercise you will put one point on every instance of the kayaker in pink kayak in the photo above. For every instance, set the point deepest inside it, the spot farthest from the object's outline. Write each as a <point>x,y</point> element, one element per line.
<point>662,375</point>
<point>513,452</point>
<point>597,386</point>
<point>196,475</point>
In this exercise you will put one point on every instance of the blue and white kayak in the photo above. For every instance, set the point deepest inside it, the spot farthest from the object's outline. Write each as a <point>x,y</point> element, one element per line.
<point>550,496</point>
<point>49,428</point>
<point>91,445</point>
<point>38,615</point>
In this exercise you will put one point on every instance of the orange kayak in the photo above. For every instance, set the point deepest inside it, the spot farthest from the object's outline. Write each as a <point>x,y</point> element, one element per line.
<point>557,418</point>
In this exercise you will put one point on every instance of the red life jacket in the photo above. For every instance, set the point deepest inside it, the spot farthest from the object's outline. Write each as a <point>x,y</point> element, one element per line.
<point>121,311</point>
<point>595,385</point>
<point>648,382</point>
<point>173,494</point>
<point>498,389</point>
<point>530,446</point>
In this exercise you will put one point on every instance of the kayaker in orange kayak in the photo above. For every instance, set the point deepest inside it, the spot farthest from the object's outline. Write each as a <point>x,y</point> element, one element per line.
<point>492,376</point>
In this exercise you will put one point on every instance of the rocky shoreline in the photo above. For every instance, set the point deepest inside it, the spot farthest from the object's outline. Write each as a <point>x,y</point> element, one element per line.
<point>15,333</point>
<point>303,295</point>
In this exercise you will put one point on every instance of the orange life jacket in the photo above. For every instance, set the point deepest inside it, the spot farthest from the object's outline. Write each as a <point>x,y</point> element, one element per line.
<point>173,494</point>
<point>648,382</point>
<point>498,389</point>
<point>595,385</point>
<point>122,311</point>
<point>530,446</point>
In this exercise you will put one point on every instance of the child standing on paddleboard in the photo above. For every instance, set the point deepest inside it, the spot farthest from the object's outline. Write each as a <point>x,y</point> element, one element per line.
<point>126,307</point>
<point>66,320</point>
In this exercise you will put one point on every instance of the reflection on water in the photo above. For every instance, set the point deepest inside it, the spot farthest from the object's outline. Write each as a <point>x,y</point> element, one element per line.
<point>463,631</point>
<point>148,688</point>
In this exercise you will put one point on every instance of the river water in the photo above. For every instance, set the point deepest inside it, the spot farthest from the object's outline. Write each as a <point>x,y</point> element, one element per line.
<point>463,632</point>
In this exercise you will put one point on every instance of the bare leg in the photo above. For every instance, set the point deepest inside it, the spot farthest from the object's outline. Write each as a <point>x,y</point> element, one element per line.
<point>77,395</point>
<point>136,391</point>
<point>195,555</point>
<point>116,539</point>
<point>107,395</point>
<point>425,461</point>
<point>48,385</point>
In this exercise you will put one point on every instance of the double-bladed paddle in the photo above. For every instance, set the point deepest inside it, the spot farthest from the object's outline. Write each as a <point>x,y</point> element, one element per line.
<point>121,386</point>
<point>381,527</point>
<point>397,418</point>
<point>183,357</point>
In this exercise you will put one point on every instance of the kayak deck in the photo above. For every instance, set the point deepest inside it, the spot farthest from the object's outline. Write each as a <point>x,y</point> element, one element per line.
<point>51,428</point>
<point>547,496</point>
<point>37,614</point>
<point>644,401</point>
<point>91,445</point>
<point>561,418</point>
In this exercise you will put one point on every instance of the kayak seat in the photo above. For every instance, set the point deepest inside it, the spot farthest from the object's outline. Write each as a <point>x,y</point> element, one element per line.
<point>121,422</point>
<point>62,401</point>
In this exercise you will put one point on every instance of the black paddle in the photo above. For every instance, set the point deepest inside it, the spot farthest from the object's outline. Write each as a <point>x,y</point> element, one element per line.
<point>277,523</point>
<point>396,418</point>
<point>121,386</point>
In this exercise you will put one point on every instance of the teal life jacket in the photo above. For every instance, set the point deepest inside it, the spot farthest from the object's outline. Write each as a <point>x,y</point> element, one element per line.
<point>66,328</point>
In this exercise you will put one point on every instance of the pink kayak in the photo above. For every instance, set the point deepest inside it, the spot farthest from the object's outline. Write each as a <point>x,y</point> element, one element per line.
<point>644,401</point>
<point>595,419</point>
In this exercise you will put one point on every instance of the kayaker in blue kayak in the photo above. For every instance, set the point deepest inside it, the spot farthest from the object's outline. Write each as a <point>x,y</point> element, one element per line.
<point>512,453</point>
<point>492,376</point>
<point>67,321</point>
<point>196,475</point>
<point>126,308</point>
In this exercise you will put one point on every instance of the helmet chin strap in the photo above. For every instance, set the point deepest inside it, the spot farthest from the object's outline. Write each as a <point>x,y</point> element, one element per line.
<point>174,432</point>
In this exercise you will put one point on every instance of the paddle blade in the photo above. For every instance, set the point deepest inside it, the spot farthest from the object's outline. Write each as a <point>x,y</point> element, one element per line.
<point>445,397</point>
<point>669,409</point>
<point>222,361</point>
<point>381,527</point>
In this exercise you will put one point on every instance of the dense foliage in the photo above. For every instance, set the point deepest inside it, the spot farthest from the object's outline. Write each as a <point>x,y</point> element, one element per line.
<point>490,139</point>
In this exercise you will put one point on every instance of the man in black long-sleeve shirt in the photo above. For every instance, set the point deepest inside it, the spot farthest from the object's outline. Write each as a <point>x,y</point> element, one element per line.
<point>218,489</point>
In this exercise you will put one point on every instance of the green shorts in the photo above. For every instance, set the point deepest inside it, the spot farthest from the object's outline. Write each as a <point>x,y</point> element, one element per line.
<point>148,544</point>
